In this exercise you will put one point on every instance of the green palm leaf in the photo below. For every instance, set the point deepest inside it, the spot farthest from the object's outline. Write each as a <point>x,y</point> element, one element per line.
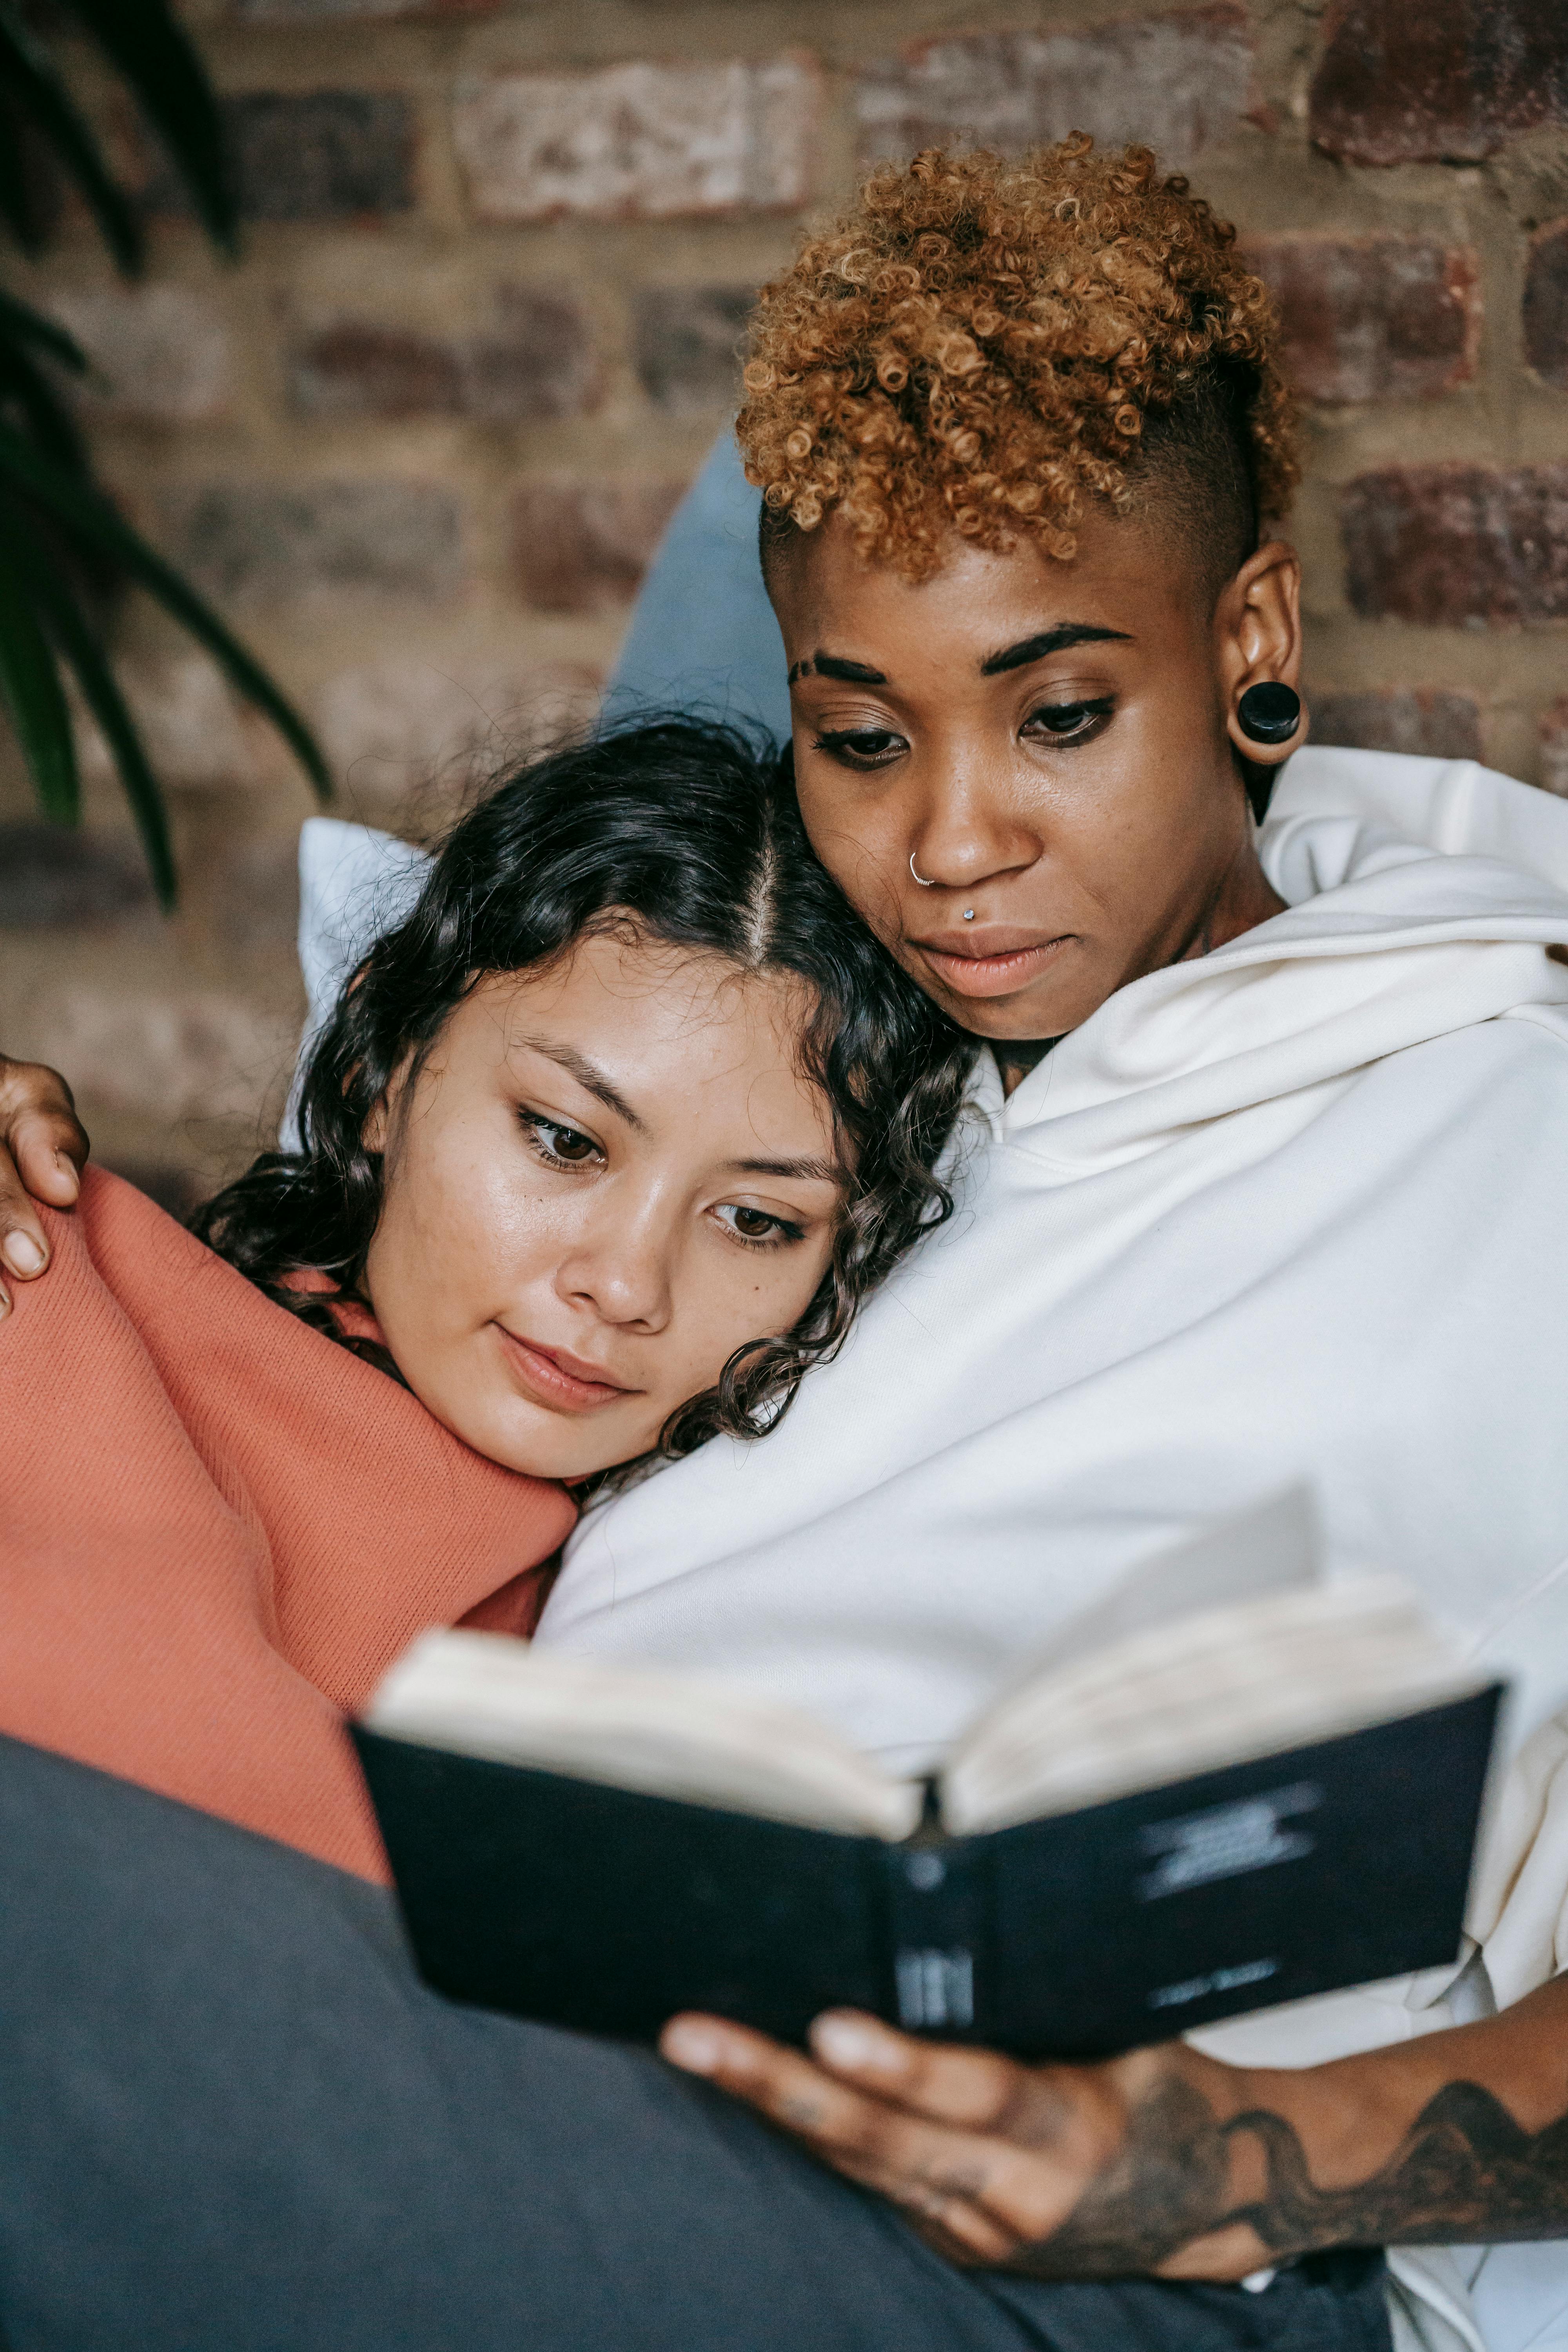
<point>62,543</point>
<point>107,704</point>
<point>49,421</point>
<point>35,86</point>
<point>20,323</point>
<point>30,686</point>
<point>160,66</point>
<point>88,517</point>
<point>18,198</point>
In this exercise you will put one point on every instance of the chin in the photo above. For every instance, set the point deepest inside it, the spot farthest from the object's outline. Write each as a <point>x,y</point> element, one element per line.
<point>999,1022</point>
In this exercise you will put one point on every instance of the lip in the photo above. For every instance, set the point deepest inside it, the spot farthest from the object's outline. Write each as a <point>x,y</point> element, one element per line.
<point>996,962</point>
<point>553,1377</point>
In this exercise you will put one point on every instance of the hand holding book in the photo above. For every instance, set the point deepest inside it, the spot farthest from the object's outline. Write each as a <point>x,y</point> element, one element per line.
<point>1229,1784</point>
<point>1062,2171</point>
<point>1165,2163</point>
<point>1224,1753</point>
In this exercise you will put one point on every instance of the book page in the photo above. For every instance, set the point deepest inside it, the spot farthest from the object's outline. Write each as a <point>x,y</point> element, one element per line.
<point>1251,1679</point>
<point>634,1727</point>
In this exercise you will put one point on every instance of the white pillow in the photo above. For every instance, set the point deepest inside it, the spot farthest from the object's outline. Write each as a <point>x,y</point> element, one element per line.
<point>355,884</point>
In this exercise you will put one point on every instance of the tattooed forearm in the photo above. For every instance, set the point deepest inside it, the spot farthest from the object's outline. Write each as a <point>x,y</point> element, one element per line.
<point>1464,2172</point>
<point>1165,2187</point>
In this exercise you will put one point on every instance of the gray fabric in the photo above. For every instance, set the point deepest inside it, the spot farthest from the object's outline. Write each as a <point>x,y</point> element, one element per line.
<point>234,2119</point>
<point>702,637</point>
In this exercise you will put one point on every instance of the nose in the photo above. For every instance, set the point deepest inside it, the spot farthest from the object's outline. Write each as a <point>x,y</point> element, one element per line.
<point>620,1267</point>
<point>967,827</point>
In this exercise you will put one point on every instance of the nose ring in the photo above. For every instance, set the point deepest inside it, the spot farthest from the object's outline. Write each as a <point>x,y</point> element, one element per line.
<point>920,877</point>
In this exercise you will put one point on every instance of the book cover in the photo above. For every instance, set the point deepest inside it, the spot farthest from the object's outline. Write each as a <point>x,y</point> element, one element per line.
<point>1075,1937</point>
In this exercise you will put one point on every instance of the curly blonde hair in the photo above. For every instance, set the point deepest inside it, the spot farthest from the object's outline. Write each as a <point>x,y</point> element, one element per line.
<point>982,341</point>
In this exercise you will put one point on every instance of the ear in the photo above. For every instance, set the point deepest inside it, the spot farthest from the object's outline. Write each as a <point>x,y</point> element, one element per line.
<point>1257,624</point>
<point>377,1126</point>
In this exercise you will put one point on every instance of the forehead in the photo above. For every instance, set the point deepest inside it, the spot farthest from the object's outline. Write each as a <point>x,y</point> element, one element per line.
<point>623,983</point>
<point>673,1028</point>
<point>1128,576</point>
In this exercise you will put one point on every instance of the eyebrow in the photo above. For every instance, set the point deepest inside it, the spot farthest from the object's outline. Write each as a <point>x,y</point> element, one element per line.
<point>818,1171</point>
<point>821,664</point>
<point>589,1076</point>
<point>1050,641</point>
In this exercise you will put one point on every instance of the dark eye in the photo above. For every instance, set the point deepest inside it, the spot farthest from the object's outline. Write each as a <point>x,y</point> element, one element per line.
<point>758,1224</point>
<point>1063,722</point>
<point>565,1144</point>
<point>860,746</point>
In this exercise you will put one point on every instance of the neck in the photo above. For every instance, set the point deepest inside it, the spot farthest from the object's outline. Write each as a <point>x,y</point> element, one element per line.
<point>1242,898</point>
<point>1016,1056</point>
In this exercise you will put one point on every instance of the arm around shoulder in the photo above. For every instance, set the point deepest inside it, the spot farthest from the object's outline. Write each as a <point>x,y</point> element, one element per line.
<point>43,1149</point>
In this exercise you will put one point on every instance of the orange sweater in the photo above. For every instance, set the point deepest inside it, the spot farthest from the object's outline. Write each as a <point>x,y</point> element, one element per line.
<point>217,1529</point>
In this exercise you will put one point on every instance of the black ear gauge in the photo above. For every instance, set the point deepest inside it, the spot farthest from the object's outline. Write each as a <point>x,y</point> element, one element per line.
<point>1269,713</point>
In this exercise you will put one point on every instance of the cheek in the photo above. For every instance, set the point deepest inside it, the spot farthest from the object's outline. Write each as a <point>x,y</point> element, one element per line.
<point>457,1226</point>
<point>760,1300</point>
<point>860,848</point>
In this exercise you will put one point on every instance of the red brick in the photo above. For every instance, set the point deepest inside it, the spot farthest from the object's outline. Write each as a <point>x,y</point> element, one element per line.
<point>1375,318</point>
<point>160,352</point>
<point>1436,82</point>
<point>1546,304</point>
<point>1424,719</point>
<point>179,1051</point>
<point>355,368</point>
<point>581,546</point>
<point>686,343</point>
<point>50,877</point>
<point>411,732</point>
<point>639,140</point>
<point>199,736</point>
<point>537,361</point>
<point>1458,545</point>
<point>1554,747</point>
<point>301,156</point>
<point>1179,81</point>
<point>257,543</point>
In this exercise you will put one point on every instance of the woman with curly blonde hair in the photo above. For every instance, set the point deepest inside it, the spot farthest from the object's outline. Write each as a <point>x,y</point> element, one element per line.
<point>1261,1181</point>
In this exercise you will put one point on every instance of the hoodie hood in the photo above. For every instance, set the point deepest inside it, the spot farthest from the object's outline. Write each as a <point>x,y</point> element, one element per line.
<point>1384,943</point>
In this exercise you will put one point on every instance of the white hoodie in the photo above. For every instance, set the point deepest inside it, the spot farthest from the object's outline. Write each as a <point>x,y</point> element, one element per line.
<point>1298,1209</point>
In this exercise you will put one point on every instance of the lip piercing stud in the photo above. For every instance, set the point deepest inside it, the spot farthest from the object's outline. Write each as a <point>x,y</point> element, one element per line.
<point>969,914</point>
<point>920,877</point>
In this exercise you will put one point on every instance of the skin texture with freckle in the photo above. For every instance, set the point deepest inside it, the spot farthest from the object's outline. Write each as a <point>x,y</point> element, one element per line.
<point>1089,804</point>
<point>524,1213</point>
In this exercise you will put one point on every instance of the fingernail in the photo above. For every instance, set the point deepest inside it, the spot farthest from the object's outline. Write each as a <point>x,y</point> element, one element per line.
<point>696,2047</point>
<point>4,1302</point>
<point>843,2041</point>
<point>22,1255</point>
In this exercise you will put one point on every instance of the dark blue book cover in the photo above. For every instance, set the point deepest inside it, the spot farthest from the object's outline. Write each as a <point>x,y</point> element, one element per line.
<point>1073,1936</point>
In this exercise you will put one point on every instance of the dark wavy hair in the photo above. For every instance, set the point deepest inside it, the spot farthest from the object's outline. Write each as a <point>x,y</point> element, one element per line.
<point>667,830</point>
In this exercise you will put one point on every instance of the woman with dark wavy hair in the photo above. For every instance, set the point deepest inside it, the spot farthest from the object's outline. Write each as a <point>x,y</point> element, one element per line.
<point>600,1151</point>
<point>656,866</point>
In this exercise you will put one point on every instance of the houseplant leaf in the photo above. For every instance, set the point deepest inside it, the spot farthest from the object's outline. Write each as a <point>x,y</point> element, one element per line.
<point>34,84</point>
<point>100,691</point>
<point>159,65</point>
<point>30,686</point>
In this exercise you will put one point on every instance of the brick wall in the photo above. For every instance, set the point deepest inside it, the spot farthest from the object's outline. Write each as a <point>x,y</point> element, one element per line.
<point>420,444</point>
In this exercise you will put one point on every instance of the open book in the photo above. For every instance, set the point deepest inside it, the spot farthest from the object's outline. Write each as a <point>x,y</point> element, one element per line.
<point>1229,1784</point>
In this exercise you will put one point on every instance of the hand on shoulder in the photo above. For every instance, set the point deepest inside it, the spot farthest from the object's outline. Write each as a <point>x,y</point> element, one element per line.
<point>43,1149</point>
